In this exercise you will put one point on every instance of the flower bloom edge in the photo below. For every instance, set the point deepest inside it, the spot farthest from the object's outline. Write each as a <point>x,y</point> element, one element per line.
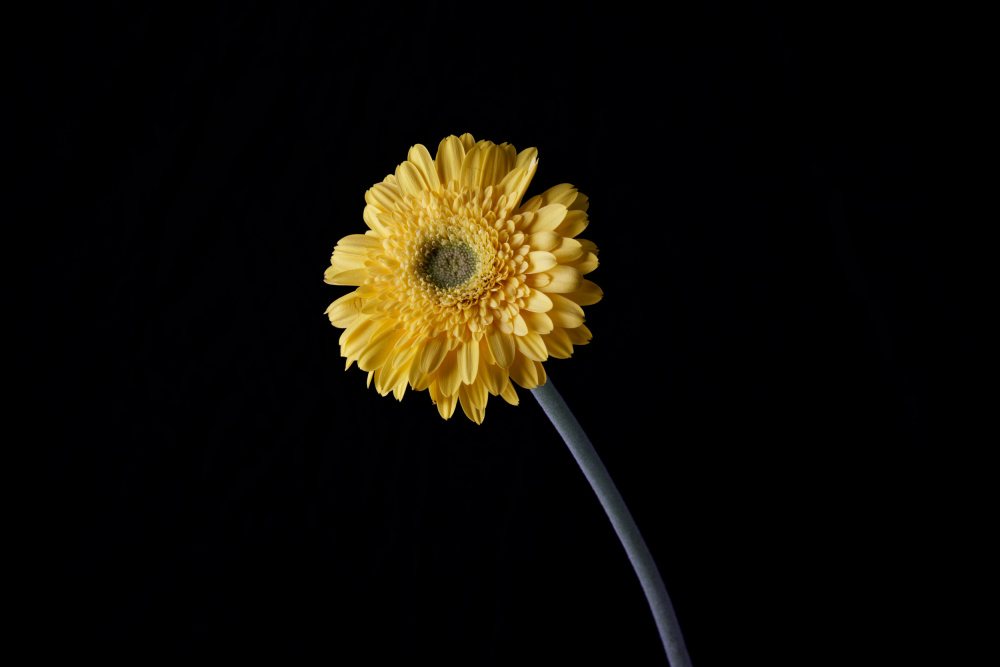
<point>462,289</point>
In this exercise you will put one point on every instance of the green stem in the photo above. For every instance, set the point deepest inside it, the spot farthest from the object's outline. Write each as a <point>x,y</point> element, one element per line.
<point>642,561</point>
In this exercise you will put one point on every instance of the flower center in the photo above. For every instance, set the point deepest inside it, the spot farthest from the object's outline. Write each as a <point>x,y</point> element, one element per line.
<point>450,265</point>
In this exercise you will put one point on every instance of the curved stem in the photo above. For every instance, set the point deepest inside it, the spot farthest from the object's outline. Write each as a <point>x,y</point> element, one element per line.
<point>642,561</point>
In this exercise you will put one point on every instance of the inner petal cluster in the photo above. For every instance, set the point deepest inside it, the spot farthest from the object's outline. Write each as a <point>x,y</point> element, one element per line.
<point>449,265</point>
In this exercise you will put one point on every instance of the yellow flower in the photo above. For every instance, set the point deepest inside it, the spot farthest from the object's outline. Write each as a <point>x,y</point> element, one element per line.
<point>460,287</point>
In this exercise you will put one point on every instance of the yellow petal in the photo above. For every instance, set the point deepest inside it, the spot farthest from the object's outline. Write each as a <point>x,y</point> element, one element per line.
<point>449,159</point>
<point>565,313</point>
<point>537,322</point>
<point>472,165</point>
<point>399,390</point>
<point>532,168</point>
<point>586,263</point>
<point>389,221</point>
<point>342,261</point>
<point>406,351</point>
<point>393,375</point>
<point>510,180</point>
<point>484,351</point>
<point>411,181</point>
<point>371,217</point>
<point>491,375</point>
<point>537,280</point>
<point>369,306</point>
<point>509,394</point>
<point>353,277</point>
<point>540,260</point>
<point>445,404</point>
<point>468,361</point>
<point>540,373</point>
<point>467,141</point>
<point>421,159</point>
<point>568,250</point>
<point>564,279</point>
<point>344,310</point>
<point>580,335</point>
<point>581,203</point>
<point>384,196</point>
<point>355,337</point>
<point>544,241</point>
<point>573,224</point>
<point>526,157</point>
<point>564,194</point>
<point>477,394</point>
<point>417,378</point>
<point>379,348</point>
<point>587,294</point>
<point>546,219</point>
<point>471,411</point>
<point>433,353</point>
<point>531,205</point>
<point>509,156</point>
<point>494,167</point>
<point>531,346</point>
<point>358,244</point>
<point>448,377</point>
<point>520,326</point>
<point>501,347</point>
<point>472,175</point>
<point>558,345</point>
<point>369,290</point>
<point>514,185</point>
<point>537,302</point>
<point>523,372</point>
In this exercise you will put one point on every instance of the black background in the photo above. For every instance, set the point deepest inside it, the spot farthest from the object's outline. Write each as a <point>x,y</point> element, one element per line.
<point>215,484</point>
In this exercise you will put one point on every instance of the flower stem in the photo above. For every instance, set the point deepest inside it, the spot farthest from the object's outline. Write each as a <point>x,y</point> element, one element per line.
<point>642,561</point>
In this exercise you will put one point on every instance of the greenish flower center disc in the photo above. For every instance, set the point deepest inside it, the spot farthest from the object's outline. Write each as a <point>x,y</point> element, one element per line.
<point>450,265</point>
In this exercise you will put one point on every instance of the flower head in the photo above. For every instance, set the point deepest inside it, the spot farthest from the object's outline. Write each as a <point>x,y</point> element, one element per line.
<point>461,288</point>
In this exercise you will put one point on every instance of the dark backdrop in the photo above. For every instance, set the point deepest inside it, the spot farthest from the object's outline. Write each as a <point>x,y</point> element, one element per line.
<point>217,485</point>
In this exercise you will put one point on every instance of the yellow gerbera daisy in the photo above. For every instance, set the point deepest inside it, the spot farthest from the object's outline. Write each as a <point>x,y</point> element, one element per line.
<point>461,288</point>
